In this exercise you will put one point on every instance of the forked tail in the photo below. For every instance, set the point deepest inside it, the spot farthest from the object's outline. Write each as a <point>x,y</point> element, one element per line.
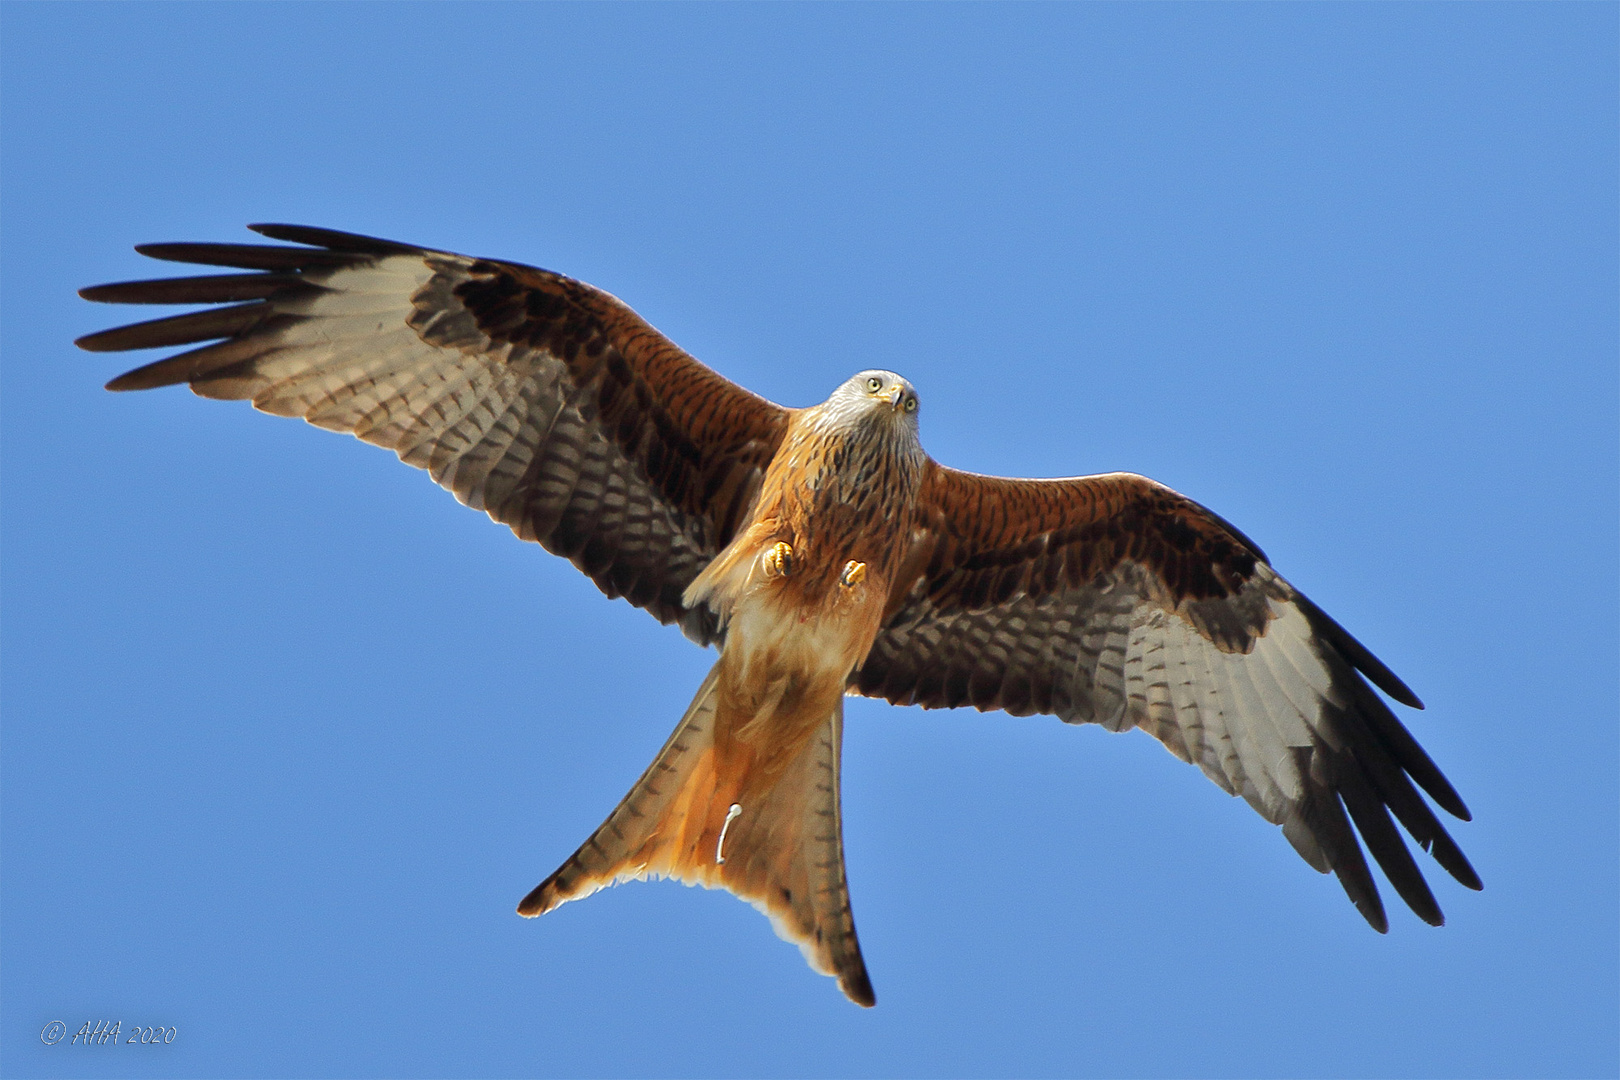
<point>700,814</point>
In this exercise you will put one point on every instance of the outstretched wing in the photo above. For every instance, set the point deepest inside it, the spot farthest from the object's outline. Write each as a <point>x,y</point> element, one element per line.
<point>538,399</point>
<point>1113,600</point>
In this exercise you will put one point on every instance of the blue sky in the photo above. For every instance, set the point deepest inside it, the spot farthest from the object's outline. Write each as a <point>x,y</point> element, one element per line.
<point>287,732</point>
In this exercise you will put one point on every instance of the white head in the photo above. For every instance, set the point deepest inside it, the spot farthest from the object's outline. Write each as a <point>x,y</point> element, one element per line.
<point>869,395</point>
<point>871,421</point>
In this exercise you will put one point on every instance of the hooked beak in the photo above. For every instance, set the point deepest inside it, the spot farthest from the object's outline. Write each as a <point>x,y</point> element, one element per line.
<point>896,396</point>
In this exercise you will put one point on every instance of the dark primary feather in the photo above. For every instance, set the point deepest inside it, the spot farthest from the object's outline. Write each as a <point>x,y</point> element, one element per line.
<point>259,256</point>
<point>212,289</point>
<point>335,240</point>
<point>543,401</point>
<point>1114,600</point>
<point>179,329</point>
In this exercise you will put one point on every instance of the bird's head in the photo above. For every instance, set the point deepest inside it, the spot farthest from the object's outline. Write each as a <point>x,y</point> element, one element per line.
<point>875,393</point>
<point>871,421</point>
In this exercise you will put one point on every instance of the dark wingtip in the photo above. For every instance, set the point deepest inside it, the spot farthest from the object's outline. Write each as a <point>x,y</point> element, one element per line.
<point>165,250</point>
<point>1360,657</point>
<point>124,382</point>
<point>114,293</point>
<point>334,239</point>
<point>290,233</point>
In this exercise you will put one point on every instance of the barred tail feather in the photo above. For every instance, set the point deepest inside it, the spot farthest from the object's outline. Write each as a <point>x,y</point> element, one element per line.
<point>696,817</point>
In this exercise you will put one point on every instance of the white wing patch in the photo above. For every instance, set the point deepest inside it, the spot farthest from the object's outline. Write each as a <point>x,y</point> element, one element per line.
<point>1241,717</point>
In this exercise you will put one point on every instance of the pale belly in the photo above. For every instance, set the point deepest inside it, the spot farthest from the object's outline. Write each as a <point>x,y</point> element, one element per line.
<point>785,664</point>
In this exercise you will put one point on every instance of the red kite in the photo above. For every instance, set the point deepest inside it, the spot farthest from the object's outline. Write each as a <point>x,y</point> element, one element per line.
<point>823,551</point>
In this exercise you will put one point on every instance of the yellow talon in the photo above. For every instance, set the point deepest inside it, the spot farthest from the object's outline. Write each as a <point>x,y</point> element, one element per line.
<point>854,573</point>
<point>779,560</point>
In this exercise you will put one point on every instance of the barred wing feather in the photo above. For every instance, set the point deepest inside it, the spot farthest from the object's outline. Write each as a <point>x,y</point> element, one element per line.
<point>538,399</point>
<point>1113,600</point>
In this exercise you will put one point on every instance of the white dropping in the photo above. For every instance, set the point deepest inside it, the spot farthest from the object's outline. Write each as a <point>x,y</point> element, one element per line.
<point>720,845</point>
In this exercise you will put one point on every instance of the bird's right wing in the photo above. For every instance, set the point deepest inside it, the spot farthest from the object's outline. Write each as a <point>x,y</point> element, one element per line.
<point>538,399</point>
<point>1114,600</point>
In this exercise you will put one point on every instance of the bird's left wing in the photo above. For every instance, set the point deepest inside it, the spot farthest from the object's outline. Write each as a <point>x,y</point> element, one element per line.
<point>538,399</point>
<point>1114,600</point>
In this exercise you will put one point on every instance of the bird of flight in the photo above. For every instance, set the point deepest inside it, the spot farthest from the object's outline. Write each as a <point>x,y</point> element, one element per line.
<point>823,551</point>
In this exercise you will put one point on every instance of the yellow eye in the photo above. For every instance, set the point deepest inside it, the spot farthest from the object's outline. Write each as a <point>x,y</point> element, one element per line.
<point>911,404</point>
<point>874,385</point>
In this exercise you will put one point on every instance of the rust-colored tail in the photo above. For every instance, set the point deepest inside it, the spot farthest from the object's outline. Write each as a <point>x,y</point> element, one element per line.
<point>695,816</point>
